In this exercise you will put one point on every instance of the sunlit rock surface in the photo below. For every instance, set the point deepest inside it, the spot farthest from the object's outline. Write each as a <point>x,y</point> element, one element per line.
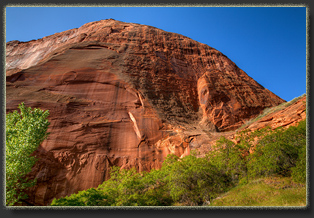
<point>124,94</point>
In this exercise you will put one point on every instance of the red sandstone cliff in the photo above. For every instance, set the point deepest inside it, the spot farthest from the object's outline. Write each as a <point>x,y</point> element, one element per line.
<point>123,94</point>
<point>281,116</point>
<point>285,115</point>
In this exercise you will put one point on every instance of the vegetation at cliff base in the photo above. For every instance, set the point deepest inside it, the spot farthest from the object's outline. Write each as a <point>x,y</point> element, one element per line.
<point>24,133</point>
<point>186,181</point>
<point>268,156</point>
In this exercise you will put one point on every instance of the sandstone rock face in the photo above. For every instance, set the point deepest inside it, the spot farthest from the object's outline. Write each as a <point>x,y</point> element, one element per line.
<point>227,98</point>
<point>123,94</point>
<point>288,116</point>
<point>281,116</point>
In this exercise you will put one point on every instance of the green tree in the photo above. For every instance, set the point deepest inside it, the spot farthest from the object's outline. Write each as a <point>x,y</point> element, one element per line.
<point>194,181</point>
<point>279,153</point>
<point>230,158</point>
<point>24,133</point>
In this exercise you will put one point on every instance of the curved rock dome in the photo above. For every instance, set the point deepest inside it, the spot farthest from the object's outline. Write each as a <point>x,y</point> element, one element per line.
<point>123,94</point>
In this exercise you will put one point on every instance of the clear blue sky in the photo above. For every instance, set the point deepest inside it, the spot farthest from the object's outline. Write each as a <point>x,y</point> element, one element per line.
<point>268,43</point>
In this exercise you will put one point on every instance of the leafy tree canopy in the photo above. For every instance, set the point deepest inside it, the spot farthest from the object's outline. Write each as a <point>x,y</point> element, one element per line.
<point>25,131</point>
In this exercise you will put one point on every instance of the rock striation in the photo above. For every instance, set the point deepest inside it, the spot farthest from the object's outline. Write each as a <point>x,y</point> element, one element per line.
<point>284,116</point>
<point>123,94</point>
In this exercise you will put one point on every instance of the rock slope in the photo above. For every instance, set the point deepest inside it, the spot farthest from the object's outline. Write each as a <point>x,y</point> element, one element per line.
<point>285,115</point>
<point>282,116</point>
<point>123,94</point>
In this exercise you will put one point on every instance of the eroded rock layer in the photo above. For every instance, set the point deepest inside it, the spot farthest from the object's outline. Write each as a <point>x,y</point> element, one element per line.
<point>123,94</point>
<point>281,116</point>
<point>286,116</point>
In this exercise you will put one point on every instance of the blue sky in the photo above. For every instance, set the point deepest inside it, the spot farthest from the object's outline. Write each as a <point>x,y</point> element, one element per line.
<point>268,43</point>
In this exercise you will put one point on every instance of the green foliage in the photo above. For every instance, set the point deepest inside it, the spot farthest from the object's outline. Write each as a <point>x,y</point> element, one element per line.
<point>233,158</point>
<point>280,152</point>
<point>229,158</point>
<point>24,133</point>
<point>90,197</point>
<point>277,153</point>
<point>124,188</point>
<point>186,181</point>
<point>196,181</point>
<point>193,181</point>
<point>298,172</point>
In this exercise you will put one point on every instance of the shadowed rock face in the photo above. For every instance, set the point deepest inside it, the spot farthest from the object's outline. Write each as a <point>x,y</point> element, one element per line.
<point>228,98</point>
<point>123,94</point>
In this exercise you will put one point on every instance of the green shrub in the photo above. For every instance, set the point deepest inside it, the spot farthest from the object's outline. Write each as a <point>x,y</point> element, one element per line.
<point>193,181</point>
<point>280,152</point>
<point>299,171</point>
<point>124,188</point>
<point>277,153</point>
<point>229,158</point>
